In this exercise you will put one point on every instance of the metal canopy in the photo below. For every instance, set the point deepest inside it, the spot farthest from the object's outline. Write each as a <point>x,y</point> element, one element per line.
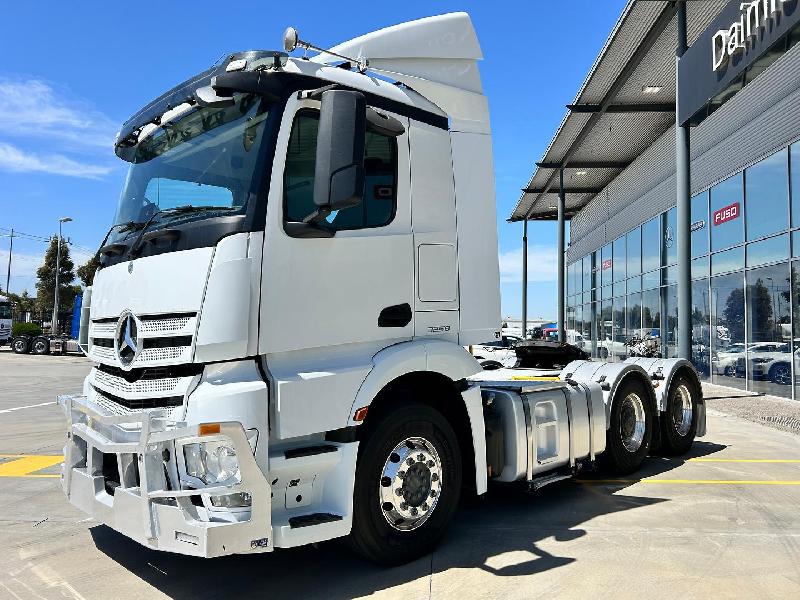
<point>625,104</point>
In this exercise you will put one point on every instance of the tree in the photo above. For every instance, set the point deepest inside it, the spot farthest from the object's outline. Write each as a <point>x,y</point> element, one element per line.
<point>46,284</point>
<point>86,272</point>
<point>733,316</point>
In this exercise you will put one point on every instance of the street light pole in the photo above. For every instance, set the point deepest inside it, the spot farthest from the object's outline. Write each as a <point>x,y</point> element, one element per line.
<point>54,325</point>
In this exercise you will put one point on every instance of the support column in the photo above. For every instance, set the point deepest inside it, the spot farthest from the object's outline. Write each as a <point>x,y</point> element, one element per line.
<point>683,201</point>
<point>562,311</point>
<point>525,278</point>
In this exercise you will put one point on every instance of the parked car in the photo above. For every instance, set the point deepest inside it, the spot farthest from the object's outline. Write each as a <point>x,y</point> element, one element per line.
<point>767,360</point>
<point>500,351</point>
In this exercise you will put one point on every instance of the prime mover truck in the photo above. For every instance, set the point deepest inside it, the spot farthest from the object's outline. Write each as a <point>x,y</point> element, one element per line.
<point>301,252</point>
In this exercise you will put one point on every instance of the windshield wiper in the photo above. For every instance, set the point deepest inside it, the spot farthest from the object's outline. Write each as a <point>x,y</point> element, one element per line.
<point>176,210</point>
<point>117,248</point>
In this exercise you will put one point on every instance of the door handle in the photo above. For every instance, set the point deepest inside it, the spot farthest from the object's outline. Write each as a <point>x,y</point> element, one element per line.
<point>398,315</point>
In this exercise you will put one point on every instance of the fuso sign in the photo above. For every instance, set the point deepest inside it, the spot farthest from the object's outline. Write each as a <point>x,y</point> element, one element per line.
<point>726,213</point>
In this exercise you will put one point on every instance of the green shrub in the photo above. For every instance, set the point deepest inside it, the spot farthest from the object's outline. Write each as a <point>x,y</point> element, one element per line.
<point>25,329</point>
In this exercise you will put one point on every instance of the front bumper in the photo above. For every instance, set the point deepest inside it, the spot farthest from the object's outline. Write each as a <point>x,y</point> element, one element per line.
<point>145,501</point>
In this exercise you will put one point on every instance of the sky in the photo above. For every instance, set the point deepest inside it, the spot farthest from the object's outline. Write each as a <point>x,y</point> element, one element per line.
<point>71,73</point>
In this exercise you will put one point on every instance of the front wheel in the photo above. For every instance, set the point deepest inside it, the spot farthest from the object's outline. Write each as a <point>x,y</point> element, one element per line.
<point>630,433</point>
<point>679,421</point>
<point>20,345</point>
<point>407,487</point>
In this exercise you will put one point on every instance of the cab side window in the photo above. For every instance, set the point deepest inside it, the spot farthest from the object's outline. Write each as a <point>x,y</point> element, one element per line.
<point>380,178</point>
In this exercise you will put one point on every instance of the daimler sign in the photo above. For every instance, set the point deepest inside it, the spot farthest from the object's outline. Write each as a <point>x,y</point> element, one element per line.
<point>755,15</point>
<point>741,34</point>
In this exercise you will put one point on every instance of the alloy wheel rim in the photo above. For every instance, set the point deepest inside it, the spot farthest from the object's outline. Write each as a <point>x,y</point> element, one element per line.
<point>410,484</point>
<point>682,410</point>
<point>632,422</point>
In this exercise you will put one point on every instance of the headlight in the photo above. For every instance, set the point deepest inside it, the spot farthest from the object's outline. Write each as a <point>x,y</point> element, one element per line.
<point>212,462</point>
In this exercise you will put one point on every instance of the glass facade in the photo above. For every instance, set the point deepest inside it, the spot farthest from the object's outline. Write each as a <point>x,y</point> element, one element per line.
<point>745,249</point>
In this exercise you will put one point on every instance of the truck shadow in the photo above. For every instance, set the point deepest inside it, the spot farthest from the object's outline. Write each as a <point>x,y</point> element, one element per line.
<point>502,534</point>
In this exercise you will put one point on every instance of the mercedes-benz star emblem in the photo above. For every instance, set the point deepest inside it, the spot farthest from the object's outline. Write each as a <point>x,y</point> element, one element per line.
<point>127,340</point>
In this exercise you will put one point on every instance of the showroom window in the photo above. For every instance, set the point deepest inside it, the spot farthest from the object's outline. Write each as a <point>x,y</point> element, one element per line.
<point>651,244</point>
<point>767,196</point>
<point>726,213</point>
<point>727,323</point>
<point>769,363</point>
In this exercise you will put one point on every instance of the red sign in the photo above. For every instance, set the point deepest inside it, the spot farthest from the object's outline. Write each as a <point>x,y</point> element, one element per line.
<point>726,213</point>
<point>606,264</point>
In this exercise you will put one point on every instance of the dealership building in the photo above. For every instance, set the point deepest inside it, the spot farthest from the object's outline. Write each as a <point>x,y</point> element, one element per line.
<point>678,168</point>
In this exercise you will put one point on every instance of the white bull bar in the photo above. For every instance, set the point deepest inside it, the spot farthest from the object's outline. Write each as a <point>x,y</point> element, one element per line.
<point>156,517</point>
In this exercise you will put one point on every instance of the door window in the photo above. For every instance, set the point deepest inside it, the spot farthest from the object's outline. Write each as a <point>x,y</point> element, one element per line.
<point>379,202</point>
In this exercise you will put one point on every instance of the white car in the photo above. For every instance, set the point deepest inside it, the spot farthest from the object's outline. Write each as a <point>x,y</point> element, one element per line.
<point>501,351</point>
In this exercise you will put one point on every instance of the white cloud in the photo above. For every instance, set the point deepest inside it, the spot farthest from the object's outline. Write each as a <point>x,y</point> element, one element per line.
<point>25,265</point>
<point>32,107</point>
<point>542,264</point>
<point>18,161</point>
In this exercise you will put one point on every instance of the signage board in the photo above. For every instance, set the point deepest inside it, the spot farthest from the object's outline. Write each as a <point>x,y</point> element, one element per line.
<point>726,213</point>
<point>741,33</point>
<point>606,264</point>
<point>698,225</point>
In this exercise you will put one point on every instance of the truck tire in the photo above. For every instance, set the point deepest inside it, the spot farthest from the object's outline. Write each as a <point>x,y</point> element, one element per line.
<point>20,345</point>
<point>40,345</point>
<point>630,433</point>
<point>407,486</point>
<point>679,421</point>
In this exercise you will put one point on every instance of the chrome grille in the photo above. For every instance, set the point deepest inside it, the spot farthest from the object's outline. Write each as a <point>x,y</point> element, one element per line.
<point>108,381</point>
<point>165,325</point>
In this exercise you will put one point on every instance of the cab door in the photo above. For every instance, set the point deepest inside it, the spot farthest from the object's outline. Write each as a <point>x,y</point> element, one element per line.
<point>357,286</point>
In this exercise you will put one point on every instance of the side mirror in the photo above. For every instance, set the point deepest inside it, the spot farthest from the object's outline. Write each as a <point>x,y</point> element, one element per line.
<point>339,170</point>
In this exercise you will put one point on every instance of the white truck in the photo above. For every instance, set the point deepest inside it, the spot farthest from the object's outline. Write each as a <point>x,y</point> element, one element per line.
<point>302,250</point>
<point>5,320</point>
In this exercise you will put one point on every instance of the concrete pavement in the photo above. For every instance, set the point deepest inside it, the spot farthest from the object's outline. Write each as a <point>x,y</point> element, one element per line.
<point>722,522</point>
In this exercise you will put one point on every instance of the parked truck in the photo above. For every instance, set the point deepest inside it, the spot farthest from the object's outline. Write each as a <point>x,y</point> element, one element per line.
<point>5,320</point>
<point>301,251</point>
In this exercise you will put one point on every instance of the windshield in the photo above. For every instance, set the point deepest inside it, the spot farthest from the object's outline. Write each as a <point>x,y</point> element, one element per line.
<point>5,310</point>
<point>204,158</point>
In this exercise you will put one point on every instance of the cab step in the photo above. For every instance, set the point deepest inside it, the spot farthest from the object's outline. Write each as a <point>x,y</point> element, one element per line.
<point>310,450</point>
<point>312,519</point>
<point>539,482</point>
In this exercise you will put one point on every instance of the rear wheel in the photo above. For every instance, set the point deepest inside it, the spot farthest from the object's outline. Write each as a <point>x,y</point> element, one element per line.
<point>630,434</point>
<point>679,421</point>
<point>40,345</point>
<point>20,345</point>
<point>407,487</point>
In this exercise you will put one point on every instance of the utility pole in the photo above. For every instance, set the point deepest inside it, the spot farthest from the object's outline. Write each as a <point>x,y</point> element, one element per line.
<point>54,325</point>
<point>10,250</point>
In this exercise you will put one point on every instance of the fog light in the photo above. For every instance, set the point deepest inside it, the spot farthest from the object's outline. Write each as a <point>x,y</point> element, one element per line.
<point>240,500</point>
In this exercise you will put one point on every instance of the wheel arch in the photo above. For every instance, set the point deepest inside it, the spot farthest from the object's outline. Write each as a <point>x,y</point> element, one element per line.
<point>435,373</point>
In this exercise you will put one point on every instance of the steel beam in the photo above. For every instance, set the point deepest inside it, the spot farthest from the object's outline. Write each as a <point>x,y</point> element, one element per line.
<point>666,107</point>
<point>525,279</point>
<point>567,190</point>
<point>684,209</point>
<point>585,164</point>
<point>562,312</point>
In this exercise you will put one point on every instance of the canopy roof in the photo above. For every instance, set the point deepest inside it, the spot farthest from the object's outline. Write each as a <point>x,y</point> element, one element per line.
<point>625,104</point>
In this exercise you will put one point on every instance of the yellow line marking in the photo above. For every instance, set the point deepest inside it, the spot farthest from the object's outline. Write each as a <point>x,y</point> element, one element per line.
<point>746,460</point>
<point>534,378</point>
<point>692,481</point>
<point>26,466</point>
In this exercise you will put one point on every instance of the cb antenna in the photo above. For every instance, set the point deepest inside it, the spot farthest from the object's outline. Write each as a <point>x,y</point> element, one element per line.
<point>291,41</point>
